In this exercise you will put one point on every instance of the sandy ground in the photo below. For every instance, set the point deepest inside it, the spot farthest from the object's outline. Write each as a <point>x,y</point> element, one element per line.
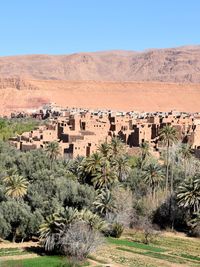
<point>18,257</point>
<point>18,245</point>
<point>142,96</point>
<point>180,235</point>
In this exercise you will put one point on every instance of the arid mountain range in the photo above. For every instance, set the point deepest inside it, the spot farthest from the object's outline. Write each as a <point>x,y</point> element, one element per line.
<point>160,79</point>
<point>163,65</point>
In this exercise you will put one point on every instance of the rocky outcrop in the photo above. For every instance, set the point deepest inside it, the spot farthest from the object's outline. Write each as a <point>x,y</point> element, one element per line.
<point>16,83</point>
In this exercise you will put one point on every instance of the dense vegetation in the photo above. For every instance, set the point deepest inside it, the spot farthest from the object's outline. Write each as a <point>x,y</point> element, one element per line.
<point>12,127</point>
<point>72,204</point>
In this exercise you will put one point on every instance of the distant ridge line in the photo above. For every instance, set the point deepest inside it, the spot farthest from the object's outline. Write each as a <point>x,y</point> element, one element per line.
<point>171,65</point>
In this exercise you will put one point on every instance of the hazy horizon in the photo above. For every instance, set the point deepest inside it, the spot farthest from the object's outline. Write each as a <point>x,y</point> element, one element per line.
<point>192,46</point>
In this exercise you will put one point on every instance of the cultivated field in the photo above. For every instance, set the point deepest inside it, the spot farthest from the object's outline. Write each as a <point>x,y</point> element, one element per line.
<point>165,250</point>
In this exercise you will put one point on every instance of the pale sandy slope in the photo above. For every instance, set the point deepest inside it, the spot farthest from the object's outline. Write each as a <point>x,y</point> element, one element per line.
<point>141,96</point>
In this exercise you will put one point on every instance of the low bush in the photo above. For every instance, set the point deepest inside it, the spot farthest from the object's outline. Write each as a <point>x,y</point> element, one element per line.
<point>80,240</point>
<point>114,230</point>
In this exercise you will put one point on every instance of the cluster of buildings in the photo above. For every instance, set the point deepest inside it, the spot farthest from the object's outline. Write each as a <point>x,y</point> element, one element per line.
<point>80,131</point>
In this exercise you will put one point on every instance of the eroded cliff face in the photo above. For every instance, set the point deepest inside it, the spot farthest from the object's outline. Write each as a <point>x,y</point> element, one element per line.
<point>16,83</point>
<point>17,94</point>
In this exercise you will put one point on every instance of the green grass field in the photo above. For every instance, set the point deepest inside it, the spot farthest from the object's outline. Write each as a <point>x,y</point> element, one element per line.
<point>11,252</point>
<point>135,245</point>
<point>42,261</point>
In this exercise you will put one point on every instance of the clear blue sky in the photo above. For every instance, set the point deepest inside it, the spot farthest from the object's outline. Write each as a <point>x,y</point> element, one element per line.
<point>68,26</point>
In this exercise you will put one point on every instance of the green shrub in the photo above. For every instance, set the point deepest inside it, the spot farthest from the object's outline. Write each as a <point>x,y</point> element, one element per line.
<point>116,230</point>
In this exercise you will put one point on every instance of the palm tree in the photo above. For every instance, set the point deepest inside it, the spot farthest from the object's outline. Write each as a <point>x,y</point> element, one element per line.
<point>53,151</point>
<point>189,194</point>
<point>122,166</point>
<point>50,231</point>
<point>57,225</point>
<point>196,220</point>
<point>153,176</point>
<point>69,215</point>
<point>104,149</point>
<point>105,176</point>
<point>104,202</point>
<point>16,186</point>
<point>173,158</point>
<point>185,152</point>
<point>54,227</point>
<point>168,135</point>
<point>93,220</point>
<point>93,163</point>
<point>117,147</point>
<point>144,150</point>
<point>67,163</point>
<point>78,168</point>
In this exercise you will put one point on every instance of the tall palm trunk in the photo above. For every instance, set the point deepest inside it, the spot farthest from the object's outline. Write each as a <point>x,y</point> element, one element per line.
<point>171,213</point>
<point>51,164</point>
<point>154,193</point>
<point>167,168</point>
<point>14,235</point>
<point>185,167</point>
<point>104,174</point>
<point>172,178</point>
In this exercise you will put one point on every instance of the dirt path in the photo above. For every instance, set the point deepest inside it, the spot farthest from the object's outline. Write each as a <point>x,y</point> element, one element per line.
<point>180,235</point>
<point>96,263</point>
<point>18,257</point>
<point>19,245</point>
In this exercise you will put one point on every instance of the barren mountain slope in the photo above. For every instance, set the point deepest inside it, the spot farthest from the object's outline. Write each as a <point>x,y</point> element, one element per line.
<point>166,65</point>
<point>141,96</point>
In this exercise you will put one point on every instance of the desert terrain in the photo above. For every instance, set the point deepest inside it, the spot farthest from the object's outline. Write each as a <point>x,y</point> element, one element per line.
<point>138,96</point>
<point>160,79</point>
<point>180,65</point>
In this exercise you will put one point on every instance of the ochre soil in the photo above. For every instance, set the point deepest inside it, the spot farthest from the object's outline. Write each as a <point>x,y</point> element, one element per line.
<point>127,96</point>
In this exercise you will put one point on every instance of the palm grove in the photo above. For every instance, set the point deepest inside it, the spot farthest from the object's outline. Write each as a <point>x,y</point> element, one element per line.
<point>80,201</point>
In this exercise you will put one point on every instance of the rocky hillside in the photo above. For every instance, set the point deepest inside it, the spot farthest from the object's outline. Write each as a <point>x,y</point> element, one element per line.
<point>180,65</point>
<point>16,83</point>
